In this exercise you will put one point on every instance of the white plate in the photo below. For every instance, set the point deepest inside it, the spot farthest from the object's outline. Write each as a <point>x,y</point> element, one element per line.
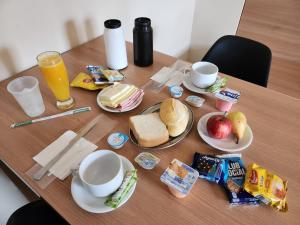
<point>228,144</point>
<point>108,109</point>
<point>187,83</point>
<point>85,200</point>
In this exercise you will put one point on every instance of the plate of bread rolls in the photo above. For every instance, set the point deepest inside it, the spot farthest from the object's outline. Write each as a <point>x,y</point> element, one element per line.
<point>162,125</point>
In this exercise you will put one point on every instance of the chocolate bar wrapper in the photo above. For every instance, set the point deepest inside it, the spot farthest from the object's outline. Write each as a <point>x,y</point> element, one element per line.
<point>116,198</point>
<point>233,178</point>
<point>208,166</point>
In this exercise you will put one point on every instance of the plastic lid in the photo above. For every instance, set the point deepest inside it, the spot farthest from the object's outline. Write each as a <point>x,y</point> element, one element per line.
<point>142,22</point>
<point>112,23</point>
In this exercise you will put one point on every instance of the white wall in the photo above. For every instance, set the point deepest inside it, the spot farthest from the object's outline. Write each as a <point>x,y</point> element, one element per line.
<point>32,26</point>
<point>212,20</point>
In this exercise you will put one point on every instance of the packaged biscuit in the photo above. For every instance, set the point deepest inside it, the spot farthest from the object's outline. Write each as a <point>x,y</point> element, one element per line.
<point>113,75</point>
<point>208,166</point>
<point>233,178</point>
<point>267,187</point>
<point>85,81</point>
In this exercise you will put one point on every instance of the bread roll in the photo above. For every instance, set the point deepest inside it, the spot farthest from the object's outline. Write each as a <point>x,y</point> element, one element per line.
<point>175,115</point>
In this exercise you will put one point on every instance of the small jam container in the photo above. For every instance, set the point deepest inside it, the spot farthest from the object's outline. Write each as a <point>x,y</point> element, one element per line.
<point>226,98</point>
<point>176,91</point>
<point>195,101</point>
<point>179,178</point>
<point>147,160</point>
<point>117,140</point>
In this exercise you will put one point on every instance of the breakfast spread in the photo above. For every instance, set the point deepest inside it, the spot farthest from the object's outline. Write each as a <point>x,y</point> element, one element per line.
<point>116,198</point>
<point>148,129</point>
<point>209,167</point>
<point>117,140</point>
<point>175,115</point>
<point>120,96</point>
<point>225,98</point>
<point>147,160</point>
<point>253,186</point>
<point>180,178</point>
<point>233,178</point>
<point>267,187</point>
<point>195,101</point>
<point>175,91</point>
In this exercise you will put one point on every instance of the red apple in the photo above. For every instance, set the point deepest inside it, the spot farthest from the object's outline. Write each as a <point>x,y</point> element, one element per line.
<point>218,127</point>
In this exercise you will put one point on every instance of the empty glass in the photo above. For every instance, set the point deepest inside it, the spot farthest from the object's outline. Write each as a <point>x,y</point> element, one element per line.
<point>27,93</point>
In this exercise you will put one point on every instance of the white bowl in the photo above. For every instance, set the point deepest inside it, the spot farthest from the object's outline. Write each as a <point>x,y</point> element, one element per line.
<point>204,74</point>
<point>101,172</point>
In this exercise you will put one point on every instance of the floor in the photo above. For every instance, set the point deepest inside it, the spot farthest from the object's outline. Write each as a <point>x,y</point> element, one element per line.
<point>276,23</point>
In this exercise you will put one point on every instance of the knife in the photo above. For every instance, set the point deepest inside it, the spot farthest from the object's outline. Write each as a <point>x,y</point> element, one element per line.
<point>83,131</point>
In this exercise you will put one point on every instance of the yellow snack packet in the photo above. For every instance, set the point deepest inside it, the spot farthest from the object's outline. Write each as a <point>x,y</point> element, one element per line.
<point>267,187</point>
<point>85,81</point>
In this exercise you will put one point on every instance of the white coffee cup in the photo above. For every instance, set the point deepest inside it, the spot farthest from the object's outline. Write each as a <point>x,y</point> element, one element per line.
<point>204,74</point>
<point>101,172</point>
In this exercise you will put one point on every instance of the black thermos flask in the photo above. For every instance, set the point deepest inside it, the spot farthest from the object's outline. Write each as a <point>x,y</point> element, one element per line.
<point>142,42</point>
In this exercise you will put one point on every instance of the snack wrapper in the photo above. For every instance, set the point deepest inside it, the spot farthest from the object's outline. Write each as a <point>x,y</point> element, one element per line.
<point>220,82</point>
<point>85,81</point>
<point>267,187</point>
<point>233,178</point>
<point>113,75</point>
<point>116,198</point>
<point>208,166</point>
<point>96,73</point>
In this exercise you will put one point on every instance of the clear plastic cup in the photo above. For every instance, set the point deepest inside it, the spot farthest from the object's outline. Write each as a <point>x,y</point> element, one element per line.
<point>27,93</point>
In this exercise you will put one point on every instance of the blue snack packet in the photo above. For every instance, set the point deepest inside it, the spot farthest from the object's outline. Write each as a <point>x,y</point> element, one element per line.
<point>233,178</point>
<point>208,166</point>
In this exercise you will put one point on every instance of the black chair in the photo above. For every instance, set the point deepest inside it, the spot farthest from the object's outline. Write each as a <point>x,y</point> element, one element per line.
<point>36,213</point>
<point>242,58</point>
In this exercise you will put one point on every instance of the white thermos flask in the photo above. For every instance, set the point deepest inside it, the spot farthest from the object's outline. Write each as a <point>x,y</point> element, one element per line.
<point>115,47</point>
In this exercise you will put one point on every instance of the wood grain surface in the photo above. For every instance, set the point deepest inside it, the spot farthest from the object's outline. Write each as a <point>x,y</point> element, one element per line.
<point>276,23</point>
<point>272,116</point>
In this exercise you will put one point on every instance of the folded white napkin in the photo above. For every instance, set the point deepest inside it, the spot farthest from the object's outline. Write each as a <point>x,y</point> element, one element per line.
<point>70,160</point>
<point>173,77</point>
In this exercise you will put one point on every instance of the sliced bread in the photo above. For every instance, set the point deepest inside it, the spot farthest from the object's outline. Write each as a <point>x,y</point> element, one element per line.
<point>148,129</point>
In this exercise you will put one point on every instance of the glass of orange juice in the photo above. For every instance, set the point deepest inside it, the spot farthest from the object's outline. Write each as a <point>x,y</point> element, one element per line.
<point>56,76</point>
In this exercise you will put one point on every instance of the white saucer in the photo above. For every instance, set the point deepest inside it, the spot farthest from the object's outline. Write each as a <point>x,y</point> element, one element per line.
<point>187,83</point>
<point>85,200</point>
<point>109,109</point>
<point>228,144</point>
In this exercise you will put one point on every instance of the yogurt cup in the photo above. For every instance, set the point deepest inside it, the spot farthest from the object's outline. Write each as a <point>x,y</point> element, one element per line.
<point>226,98</point>
<point>179,178</point>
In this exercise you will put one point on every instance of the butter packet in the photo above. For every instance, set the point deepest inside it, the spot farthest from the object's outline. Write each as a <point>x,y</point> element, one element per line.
<point>85,81</point>
<point>267,187</point>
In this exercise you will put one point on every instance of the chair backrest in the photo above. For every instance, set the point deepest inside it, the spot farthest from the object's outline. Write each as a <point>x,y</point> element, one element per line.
<point>242,58</point>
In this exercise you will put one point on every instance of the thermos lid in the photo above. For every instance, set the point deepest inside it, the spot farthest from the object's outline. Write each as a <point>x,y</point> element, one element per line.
<point>112,23</point>
<point>142,22</point>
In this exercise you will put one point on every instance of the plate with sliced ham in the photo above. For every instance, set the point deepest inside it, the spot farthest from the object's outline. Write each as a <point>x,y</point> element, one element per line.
<point>127,98</point>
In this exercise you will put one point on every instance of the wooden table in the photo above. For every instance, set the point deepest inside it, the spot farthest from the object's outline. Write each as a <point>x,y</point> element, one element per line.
<point>271,115</point>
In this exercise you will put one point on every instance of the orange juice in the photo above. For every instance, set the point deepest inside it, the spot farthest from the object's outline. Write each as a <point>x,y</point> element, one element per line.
<point>55,74</point>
